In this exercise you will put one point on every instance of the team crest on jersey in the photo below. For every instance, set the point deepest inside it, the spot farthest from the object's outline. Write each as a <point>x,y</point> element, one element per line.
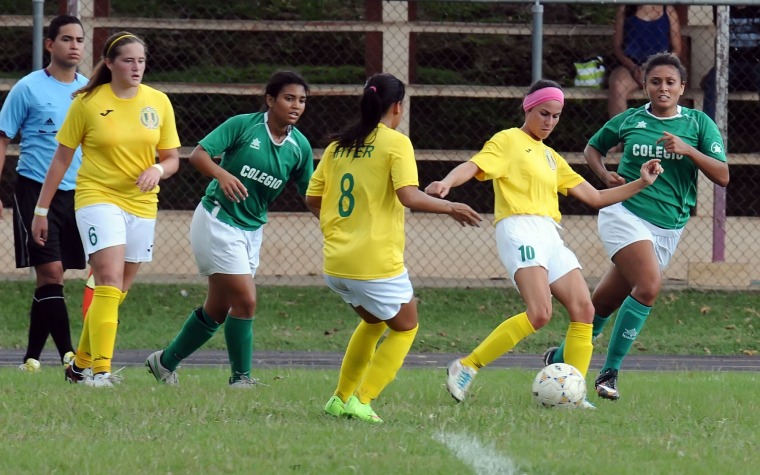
<point>550,159</point>
<point>149,118</point>
<point>716,148</point>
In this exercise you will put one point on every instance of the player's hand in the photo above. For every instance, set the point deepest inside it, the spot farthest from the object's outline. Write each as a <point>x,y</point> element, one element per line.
<point>651,170</point>
<point>464,215</point>
<point>233,188</point>
<point>39,229</point>
<point>438,189</point>
<point>612,179</point>
<point>674,144</point>
<point>148,179</point>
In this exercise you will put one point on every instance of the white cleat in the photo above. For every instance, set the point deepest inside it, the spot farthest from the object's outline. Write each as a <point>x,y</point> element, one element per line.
<point>458,379</point>
<point>161,374</point>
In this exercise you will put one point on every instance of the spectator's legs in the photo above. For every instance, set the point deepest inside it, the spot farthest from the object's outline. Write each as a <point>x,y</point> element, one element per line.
<point>622,85</point>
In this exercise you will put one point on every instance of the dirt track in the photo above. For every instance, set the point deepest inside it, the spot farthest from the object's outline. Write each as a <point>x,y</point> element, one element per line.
<point>323,360</point>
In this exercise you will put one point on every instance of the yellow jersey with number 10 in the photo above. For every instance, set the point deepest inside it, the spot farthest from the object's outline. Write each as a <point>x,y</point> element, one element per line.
<point>361,218</point>
<point>526,174</point>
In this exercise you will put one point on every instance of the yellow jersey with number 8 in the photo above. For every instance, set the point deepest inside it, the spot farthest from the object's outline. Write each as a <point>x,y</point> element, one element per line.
<point>361,217</point>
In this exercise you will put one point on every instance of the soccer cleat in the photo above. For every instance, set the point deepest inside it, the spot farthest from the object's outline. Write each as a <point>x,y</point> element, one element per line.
<point>354,408</point>
<point>76,375</point>
<point>100,380</point>
<point>586,405</point>
<point>458,379</point>
<point>606,384</point>
<point>549,355</point>
<point>68,358</point>
<point>335,407</point>
<point>161,374</point>
<point>105,380</point>
<point>243,381</point>
<point>30,366</point>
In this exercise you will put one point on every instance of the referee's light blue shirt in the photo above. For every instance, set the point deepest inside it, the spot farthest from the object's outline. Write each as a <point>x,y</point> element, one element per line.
<point>36,106</point>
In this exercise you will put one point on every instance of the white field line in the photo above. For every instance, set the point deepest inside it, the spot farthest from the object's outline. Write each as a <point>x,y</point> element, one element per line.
<point>484,460</point>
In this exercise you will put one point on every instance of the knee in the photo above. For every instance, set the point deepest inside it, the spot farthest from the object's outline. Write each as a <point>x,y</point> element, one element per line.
<point>581,312</point>
<point>646,292</point>
<point>540,316</point>
<point>49,275</point>
<point>244,307</point>
<point>603,308</point>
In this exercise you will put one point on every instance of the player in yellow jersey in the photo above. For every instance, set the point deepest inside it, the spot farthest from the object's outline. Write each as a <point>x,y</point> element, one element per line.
<point>121,124</point>
<point>366,177</point>
<point>527,175</point>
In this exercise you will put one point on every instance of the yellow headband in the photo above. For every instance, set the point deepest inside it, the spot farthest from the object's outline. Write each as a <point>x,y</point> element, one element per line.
<point>117,39</point>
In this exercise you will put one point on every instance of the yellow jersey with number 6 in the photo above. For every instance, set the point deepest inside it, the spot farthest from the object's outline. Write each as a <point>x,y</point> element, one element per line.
<point>361,218</point>
<point>119,139</point>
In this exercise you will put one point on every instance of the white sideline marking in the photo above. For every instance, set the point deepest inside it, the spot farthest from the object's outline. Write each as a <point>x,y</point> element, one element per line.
<point>484,460</point>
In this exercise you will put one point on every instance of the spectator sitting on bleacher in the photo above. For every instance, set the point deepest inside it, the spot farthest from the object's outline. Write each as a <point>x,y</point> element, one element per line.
<point>743,56</point>
<point>640,31</point>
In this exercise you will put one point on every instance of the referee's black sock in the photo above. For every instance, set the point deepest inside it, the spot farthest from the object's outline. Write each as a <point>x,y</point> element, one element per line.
<point>51,304</point>
<point>38,328</point>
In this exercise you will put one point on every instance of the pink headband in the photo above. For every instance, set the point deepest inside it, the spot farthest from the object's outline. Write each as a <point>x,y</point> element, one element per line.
<point>542,95</point>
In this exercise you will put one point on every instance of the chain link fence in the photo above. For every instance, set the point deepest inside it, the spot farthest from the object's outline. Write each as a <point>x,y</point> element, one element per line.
<point>467,66</point>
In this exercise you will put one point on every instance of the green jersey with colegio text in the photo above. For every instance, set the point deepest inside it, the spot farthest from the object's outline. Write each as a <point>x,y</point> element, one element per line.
<point>668,202</point>
<point>264,167</point>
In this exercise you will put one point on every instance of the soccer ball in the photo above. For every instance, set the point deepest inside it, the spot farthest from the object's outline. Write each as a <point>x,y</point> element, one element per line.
<point>559,385</point>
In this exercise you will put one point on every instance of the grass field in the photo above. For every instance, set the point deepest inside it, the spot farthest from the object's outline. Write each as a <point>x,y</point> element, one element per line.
<point>667,422</point>
<point>451,320</point>
<point>696,423</point>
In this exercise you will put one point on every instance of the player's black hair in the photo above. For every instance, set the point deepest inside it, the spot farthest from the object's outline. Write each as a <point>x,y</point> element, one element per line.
<point>381,91</point>
<point>664,59</point>
<point>281,79</point>
<point>58,22</point>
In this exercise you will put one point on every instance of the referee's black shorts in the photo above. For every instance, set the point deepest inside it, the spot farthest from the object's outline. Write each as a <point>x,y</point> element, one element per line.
<point>63,242</point>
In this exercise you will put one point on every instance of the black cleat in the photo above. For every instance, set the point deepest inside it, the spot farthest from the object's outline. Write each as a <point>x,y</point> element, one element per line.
<point>606,384</point>
<point>549,355</point>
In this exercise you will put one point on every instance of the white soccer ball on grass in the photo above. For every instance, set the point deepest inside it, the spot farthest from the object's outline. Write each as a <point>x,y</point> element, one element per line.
<point>559,385</point>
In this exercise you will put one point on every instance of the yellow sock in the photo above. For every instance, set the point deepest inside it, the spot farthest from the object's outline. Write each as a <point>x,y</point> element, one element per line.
<point>360,349</point>
<point>84,354</point>
<point>500,341</point>
<point>83,358</point>
<point>578,346</point>
<point>385,363</point>
<point>104,317</point>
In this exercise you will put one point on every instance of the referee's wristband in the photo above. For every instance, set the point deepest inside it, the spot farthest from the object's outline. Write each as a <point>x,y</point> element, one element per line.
<point>40,211</point>
<point>158,167</point>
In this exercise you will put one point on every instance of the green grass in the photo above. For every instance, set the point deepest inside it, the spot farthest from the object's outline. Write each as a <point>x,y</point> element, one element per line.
<point>451,320</point>
<point>697,423</point>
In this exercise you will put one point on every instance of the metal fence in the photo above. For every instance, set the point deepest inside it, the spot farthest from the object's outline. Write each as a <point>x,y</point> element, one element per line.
<point>467,66</point>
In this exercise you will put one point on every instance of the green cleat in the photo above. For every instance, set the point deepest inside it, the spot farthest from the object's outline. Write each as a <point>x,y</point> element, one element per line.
<point>335,407</point>
<point>354,408</point>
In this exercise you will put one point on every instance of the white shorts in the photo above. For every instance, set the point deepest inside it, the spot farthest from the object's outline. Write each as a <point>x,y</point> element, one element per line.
<point>105,225</point>
<point>382,298</point>
<point>530,241</point>
<point>223,249</point>
<point>618,228</point>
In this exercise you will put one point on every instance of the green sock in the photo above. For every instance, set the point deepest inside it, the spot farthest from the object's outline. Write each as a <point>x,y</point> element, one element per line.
<point>628,324</point>
<point>197,330</point>
<point>238,333</point>
<point>599,323</point>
